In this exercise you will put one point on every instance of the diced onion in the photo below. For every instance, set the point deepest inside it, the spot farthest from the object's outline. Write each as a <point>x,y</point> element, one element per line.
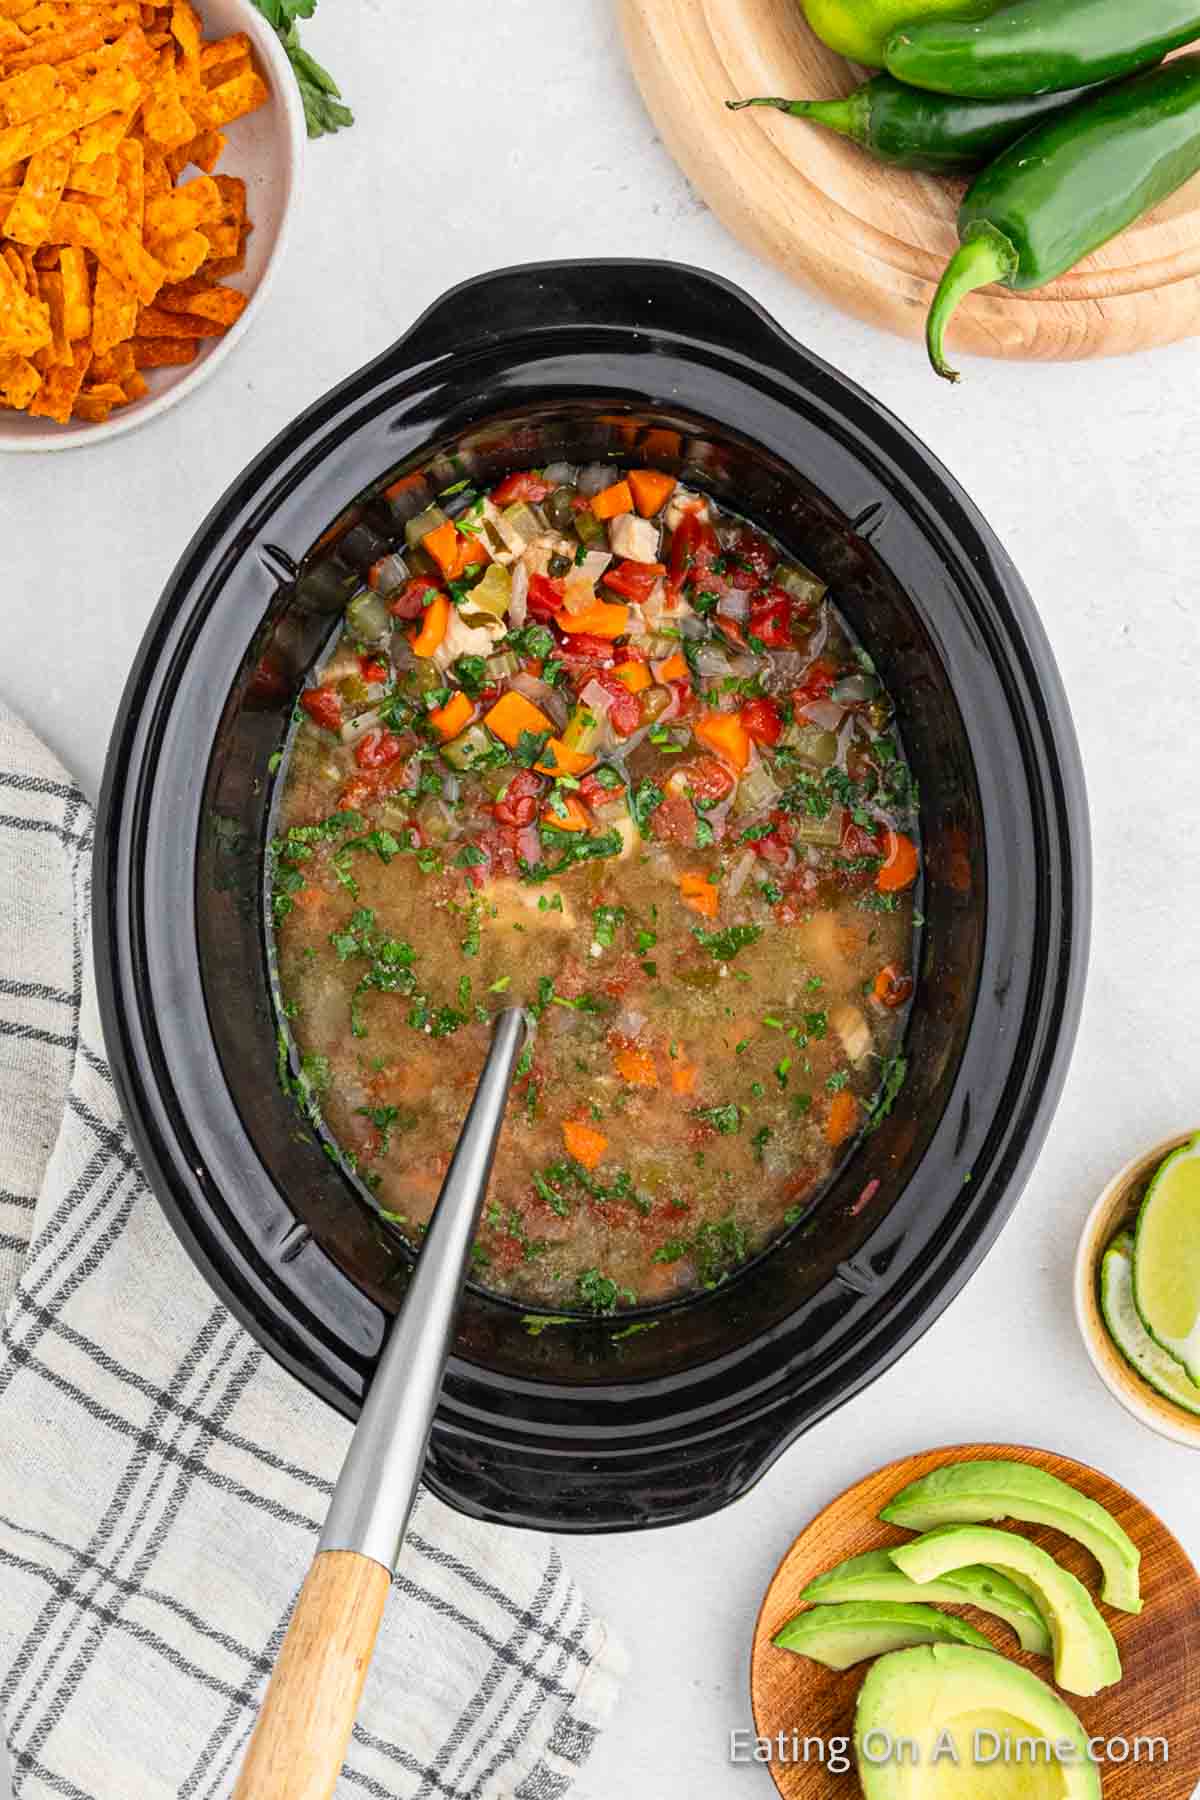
<point>711,659</point>
<point>735,605</point>
<point>825,713</point>
<point>450,788</point>
<point>595,478</point>
<point>742,869</point>
<point>628,1022</point>
<point>851,1025</point>
<point>562,474</point>
<point>518,605</point>
<point>357,728</point>
<point>596,699</point>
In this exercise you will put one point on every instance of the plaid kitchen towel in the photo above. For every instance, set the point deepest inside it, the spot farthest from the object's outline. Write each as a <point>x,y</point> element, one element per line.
<point>162,1481</point>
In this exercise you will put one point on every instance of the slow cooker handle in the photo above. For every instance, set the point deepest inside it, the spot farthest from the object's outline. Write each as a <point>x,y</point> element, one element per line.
<point>647,299</point>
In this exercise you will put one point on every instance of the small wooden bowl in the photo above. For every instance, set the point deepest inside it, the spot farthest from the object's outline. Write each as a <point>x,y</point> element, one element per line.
<point>1118,1206</point>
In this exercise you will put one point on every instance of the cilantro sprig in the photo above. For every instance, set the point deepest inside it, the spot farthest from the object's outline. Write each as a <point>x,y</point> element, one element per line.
<point>324,109</point>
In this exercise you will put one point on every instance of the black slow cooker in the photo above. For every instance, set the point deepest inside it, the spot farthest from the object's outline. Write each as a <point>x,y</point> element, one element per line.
<point>576,1428</point>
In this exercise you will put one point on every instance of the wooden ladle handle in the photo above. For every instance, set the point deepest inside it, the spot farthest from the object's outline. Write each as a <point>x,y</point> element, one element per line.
<point>299,1743</point>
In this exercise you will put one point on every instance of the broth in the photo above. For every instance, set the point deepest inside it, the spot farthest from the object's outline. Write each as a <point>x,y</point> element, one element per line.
<point>589,745</point>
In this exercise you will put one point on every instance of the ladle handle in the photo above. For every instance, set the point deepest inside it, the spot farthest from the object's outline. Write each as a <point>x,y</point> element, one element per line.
<point>299,1741</point>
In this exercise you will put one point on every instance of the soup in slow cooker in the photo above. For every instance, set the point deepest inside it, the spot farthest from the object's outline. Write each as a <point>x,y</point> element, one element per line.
<point>589,745</point>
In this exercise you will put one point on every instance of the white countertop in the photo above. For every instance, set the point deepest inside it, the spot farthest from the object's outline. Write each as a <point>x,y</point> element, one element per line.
<point>517,135</point>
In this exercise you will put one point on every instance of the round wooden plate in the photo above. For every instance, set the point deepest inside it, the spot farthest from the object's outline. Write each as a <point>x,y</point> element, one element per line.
<point>872,239</point>
<point>1160,1649</point>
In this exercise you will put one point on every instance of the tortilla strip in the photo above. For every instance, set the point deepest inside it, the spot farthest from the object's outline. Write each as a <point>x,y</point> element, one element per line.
<point>114,246</point>
<point>163,353</point>
<point>97,178</point>
<point>24,319</point>
<point>56,396</point>
<point>57,46</point>
<point>185,29</point>
<point>165,118</point>
<point>197,202</point>
<point>26,96</point>
<point>232,49</point>
<point>51,290</point>
<point>19,381</point>
<point>45,178</point>
<point>232,100</point>
<point>14,9</point>
<point>113,365</point>
<point>223,305</point>
<point>107,92</point>
<point>102,136</point>
<point>77,291</point>
<point>93,411</point>
<point>155,323</point>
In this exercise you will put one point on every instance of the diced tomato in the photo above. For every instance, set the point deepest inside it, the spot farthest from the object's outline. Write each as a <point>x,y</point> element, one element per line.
<point>323,706</point>
<point>594,793</point>
<point>733,629</point>
<point>360,790</point>
<point>674,822</point>
<point>582,650</point>
<point>519,802</point>
<point>819,678</point>
<point>377,749</point>
<point>409,603</point>
<point>892,987</point>
<point>761,720</point>
<point>545,597</point>
<point>625,713</point>
<point>694,548</point>
<point>268,681</point>
<point>774,849</point>
<point>633,580</point>
<point>755,550</point>
<point>857,841</point>
<point>524,485</point>
<point>372,670</point>
<point>771,618</point>
<point>709,779</point>
<point>624,972</point>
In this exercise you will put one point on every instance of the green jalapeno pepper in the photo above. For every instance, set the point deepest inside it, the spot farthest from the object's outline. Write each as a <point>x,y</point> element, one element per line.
<point>913,129</point>
<point>1070,185</point>
<point>860,28</point>
<point>1039,46</point>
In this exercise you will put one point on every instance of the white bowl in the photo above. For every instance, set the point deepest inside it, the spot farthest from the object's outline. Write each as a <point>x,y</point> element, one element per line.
<point>1118,1206</point>
<point>266,148</point>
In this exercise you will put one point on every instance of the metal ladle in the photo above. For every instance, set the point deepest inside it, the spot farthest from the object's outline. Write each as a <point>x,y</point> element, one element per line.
<point>299,1741</point>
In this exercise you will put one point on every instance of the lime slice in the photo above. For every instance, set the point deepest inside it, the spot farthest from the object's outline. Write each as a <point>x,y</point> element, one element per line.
<point>1166,1258</point>
<point>1157,1368</point>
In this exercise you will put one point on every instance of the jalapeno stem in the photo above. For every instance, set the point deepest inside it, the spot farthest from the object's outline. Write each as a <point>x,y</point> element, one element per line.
<point>850,117</point>
<point>984,256</point>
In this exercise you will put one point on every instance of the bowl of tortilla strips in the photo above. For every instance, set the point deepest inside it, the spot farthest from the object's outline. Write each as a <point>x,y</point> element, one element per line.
<point>150,157</point>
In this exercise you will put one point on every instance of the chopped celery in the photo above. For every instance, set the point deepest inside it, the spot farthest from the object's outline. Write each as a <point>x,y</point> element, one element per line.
<point>367,618</point>
<point>826,832</point>
<point>592,531</point>
<point>852,688</point>
<point>584,732</point>
<point>810,744</point>
<point>422,525</point>
<point>655,701</point>
<point>756,791</point>
<point>795,579</point>
<point>466,749</point>
<point>519,524</point>
<point>492,594</point>
<point>502,665</point>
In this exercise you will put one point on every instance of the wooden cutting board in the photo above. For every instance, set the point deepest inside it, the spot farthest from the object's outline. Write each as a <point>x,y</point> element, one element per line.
<point>875,240</point>
<point>1160,1649</point>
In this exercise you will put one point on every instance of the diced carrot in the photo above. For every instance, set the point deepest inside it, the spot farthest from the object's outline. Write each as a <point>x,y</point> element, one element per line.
<point>698,892</point>
<point>573,816</point>
<point>454,717</point>
<point>683,1078</point>
<point>310,898</point>
<point>725,733</point>
<point>613,501</point>
<point>899,863</point>
<point>604,618</point>
<point>584,1144</point>
<point>651,490</point>
<point>674,669</point>
<point>442,545</point>
<point>513,714</point>
<point>470,551</point>
<point>633,675</point>
<point>662,443</point>
<point>842,1117</point>
<point>565,760</point>
<point>432,627</point>
<point>636,1067</point>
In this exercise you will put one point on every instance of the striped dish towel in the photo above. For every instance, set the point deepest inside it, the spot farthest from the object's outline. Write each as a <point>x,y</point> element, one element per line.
<point>162,1481</point>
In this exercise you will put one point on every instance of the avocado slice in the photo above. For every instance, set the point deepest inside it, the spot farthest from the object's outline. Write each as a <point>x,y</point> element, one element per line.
<point>974,1493</point>
<point>840,1636</point>
<point>874,1576</point>
<point>949,1688</point>
<point>1156,1366</point>
<point>1085,1652</point>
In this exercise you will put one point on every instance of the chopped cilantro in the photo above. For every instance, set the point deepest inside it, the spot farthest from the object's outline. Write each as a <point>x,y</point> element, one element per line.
<point>724,945</point>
